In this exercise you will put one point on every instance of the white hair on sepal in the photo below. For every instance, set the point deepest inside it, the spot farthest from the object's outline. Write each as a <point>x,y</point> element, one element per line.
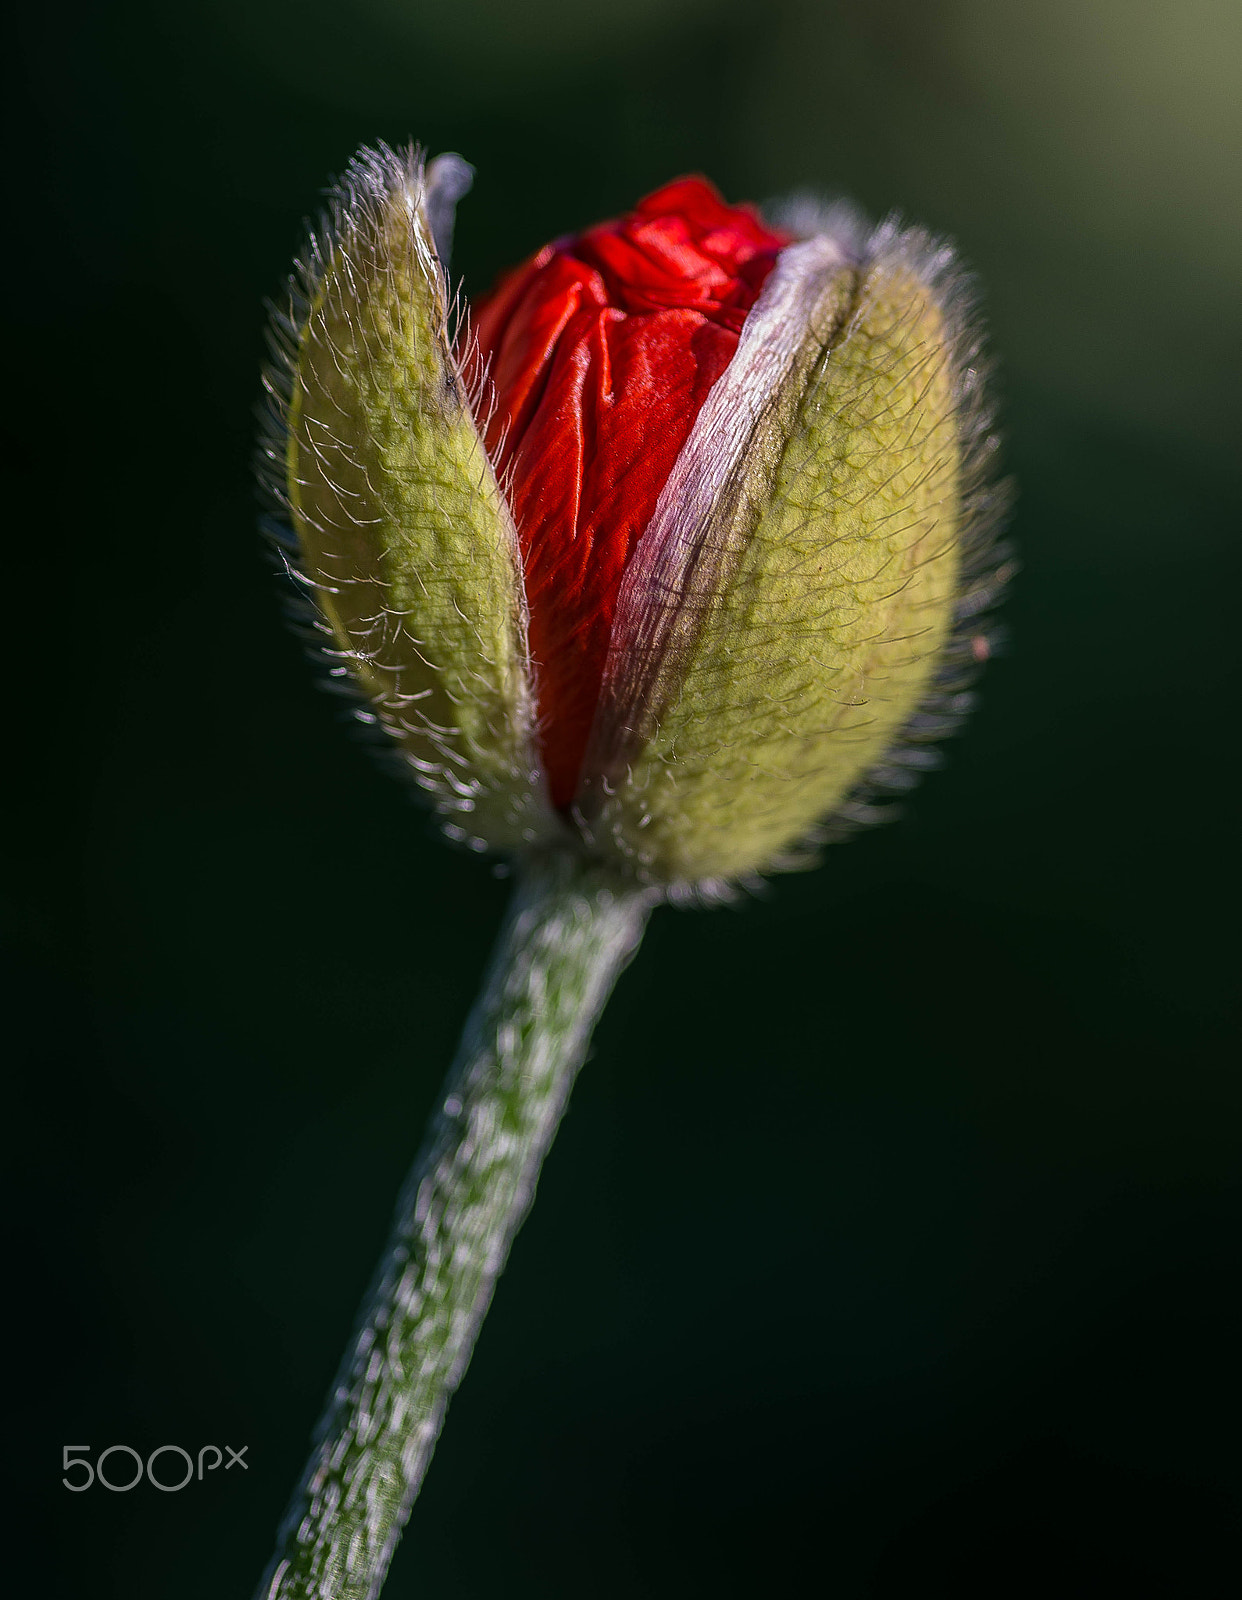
<point>807,215</point>
<point>987,563</point>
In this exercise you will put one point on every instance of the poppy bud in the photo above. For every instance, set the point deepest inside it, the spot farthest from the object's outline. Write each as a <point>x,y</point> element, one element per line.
<point>693,568</point>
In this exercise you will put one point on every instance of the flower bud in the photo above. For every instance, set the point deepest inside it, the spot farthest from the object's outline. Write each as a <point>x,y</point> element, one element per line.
<point>702,563</point>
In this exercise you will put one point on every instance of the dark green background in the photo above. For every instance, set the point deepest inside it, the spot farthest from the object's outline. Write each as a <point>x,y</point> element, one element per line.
<point>890,1246</point>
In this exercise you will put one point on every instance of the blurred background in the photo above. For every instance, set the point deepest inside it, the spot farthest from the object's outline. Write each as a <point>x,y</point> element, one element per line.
<point>890,1245</point>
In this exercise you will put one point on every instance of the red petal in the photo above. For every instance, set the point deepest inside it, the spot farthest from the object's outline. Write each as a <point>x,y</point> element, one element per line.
<point>601,351</point>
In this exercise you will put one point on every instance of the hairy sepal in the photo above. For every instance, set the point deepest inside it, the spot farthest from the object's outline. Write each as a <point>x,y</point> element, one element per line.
<point>403,537</point>
<point>813,626</point>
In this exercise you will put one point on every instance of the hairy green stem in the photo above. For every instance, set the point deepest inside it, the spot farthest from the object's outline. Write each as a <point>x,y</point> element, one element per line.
<point>568,934</point>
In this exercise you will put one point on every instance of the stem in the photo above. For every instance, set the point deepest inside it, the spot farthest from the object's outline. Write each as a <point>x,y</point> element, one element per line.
<point>568,934</point>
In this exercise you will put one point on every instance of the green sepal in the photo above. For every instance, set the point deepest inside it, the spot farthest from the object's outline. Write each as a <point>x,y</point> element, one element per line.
<point>827,627</point>
<point>403,534</point>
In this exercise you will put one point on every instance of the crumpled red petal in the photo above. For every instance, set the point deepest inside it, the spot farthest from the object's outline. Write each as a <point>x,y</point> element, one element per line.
<point>601,351</point>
